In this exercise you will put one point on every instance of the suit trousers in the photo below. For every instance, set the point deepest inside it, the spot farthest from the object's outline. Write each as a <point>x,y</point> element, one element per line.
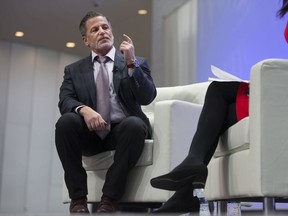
<point>73,139</point>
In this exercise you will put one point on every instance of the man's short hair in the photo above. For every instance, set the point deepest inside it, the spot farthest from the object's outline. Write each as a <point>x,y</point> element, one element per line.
<point>89,15</point>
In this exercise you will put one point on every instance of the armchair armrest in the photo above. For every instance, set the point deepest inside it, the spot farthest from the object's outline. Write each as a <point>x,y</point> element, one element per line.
<point>175,123</point>
<point>269,121</point>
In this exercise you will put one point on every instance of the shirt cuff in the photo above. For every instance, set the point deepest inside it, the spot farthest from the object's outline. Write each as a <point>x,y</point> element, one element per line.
<point>77,109</point>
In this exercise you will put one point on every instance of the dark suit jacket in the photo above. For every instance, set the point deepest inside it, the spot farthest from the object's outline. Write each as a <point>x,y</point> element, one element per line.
<point>79,88</point>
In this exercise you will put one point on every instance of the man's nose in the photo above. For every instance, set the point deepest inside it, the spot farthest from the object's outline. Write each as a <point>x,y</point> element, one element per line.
<point>101,30</point>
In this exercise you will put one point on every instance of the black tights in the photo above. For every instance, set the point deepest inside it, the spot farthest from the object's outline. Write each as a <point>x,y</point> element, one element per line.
<point>218,114</point>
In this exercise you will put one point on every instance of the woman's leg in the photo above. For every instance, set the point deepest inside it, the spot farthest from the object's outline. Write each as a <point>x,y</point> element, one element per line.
<point>217,115</point>
<point>215,118</point>
<point>229,121</point>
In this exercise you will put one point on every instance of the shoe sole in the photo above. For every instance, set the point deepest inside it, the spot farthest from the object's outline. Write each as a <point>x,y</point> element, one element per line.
<point>198,180</point>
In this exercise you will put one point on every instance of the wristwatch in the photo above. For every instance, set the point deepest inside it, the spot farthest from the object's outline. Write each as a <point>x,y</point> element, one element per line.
<point>134,64</point>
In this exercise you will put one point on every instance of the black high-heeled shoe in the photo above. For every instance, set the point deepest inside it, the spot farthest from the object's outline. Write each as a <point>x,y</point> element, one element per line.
<point>180,177</point>
<point>182,201</point>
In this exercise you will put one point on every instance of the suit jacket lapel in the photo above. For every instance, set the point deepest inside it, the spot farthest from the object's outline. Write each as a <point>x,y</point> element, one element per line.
<point>88,78</point>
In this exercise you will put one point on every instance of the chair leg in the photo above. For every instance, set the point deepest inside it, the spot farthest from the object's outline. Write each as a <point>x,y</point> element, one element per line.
<point>269,205</point>
<point>221,207</point>
<point>94,207</point>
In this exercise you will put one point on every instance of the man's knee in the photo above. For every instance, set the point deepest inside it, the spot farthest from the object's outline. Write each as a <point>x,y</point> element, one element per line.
<point>68,120</point>
<point>135,125</point>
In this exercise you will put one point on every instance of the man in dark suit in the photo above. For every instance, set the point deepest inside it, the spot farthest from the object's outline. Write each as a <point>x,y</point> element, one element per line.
<point>78,130</point>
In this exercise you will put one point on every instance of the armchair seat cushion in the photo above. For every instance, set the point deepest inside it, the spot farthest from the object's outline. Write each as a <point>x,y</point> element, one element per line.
<point>104,160</point>
<point>235,139</point>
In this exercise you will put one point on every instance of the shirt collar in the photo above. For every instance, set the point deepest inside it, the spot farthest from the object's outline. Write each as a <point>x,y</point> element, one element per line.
<point>110,54</point>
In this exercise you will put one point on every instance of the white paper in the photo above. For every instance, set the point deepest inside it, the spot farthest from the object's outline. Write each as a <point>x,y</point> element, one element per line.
<point>223,76</point>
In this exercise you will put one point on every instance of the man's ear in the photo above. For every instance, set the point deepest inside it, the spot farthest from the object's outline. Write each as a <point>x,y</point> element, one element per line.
<point>84,38</point>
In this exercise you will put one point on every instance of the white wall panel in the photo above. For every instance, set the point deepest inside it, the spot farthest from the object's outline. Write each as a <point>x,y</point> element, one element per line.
<point>42,135</point>
<point>4,77</point>
<point>17,134</point>
<point>161,9</point>
<point>32,176</point>
<point>180,45</point>
<point>20,93</point>
<point>14,174</point>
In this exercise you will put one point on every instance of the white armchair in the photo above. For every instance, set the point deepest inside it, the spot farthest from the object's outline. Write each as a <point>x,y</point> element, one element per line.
<point>252,160</point>
<point>173,115</point>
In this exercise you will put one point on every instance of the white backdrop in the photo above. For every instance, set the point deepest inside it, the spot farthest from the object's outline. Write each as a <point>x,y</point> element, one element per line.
<point>233,35</point>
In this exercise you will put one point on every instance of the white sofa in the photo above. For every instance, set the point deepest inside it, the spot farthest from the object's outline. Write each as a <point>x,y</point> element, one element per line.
<point>251,161</point>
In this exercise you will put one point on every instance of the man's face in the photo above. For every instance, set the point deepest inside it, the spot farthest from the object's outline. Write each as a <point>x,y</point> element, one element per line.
<point>99,36</point>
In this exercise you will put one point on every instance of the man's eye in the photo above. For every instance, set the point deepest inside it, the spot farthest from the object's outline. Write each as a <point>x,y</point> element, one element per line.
<point>94,30</point>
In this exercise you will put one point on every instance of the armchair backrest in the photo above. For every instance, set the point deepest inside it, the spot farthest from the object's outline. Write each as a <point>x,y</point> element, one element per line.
<point>194,93</point>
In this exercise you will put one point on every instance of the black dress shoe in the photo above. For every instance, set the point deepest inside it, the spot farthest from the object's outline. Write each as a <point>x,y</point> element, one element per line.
<point>107,205</point>
<point>79,206</point>
<point>182,201</point>
<point>180,176</point>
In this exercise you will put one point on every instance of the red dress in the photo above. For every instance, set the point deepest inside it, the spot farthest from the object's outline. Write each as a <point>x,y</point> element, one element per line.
<point>242,101</point>
<point>286,33</point>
